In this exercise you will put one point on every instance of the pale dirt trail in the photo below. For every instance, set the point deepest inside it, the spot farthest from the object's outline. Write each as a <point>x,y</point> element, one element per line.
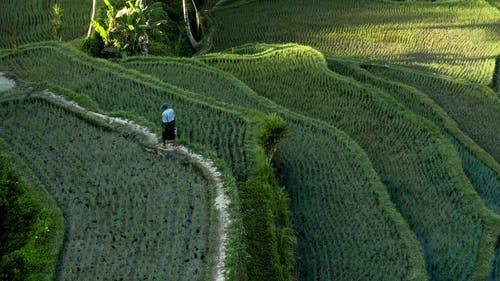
<point>221,199</point>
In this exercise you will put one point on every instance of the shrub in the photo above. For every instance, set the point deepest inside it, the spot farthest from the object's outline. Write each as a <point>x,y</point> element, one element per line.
<point>271,132</point>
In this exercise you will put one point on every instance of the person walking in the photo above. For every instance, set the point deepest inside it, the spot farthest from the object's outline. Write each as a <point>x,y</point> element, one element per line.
<point>168,124</point>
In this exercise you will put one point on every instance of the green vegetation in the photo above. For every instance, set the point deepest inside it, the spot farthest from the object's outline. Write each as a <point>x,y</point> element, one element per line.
<point>335,194</point>
<point>30,21</point>
<point>468,104</point>
<point>495,268</point>
<point>124,209</point>
<point>32,226</point>
<point>482,170</point>
<point>496,78</point>
<point>57,23</point>
<point>227,130</point>
<point>416,163</point>
<point>271,133</point>
<point>125,30</point>
<point>386,172</point>
<point>456,38</point>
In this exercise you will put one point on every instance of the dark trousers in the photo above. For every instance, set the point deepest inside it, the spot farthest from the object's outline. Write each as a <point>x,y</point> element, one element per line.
<point>168,133</point>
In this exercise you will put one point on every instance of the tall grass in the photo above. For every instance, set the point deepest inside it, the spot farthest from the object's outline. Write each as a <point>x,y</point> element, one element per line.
<point>471,106</point>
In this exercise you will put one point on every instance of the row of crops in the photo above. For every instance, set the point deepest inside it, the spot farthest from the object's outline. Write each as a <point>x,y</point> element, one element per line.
<point>265,250</point>
<point>482,169</point>
<point>417,164</point>
<point>129,211</point>
<point>468,104</point>
<point>346,226</point>
<point>30,21</point>
<point>457,38</point>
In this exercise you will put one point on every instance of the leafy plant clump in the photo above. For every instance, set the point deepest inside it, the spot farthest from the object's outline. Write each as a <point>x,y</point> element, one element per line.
<point>57,24</point>
<point>273,130</point>
<point>125,31</point>
<point>27,230</point>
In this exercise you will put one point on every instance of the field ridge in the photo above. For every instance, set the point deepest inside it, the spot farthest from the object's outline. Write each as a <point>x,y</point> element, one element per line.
<point>283,81</point>
<point>485,179</point>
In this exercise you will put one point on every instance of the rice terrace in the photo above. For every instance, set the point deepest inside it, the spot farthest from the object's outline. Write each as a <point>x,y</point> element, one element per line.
<point>250,140</point>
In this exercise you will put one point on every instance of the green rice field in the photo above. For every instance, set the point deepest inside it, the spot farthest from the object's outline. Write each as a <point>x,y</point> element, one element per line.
<point>390,171</point>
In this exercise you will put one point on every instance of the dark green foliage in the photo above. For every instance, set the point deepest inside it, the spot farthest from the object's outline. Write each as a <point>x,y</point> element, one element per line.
<point>30,233</point>
<point>271,132</point>
<point>126,27</point>
<point>495,84</point>
<point>17,216</point>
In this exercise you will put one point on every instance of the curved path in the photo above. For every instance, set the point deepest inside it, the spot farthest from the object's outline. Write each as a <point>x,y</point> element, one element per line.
<point>221,200</point>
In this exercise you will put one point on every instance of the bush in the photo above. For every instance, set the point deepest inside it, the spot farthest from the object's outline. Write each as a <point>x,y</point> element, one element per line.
<point>28,250</point>
<point>271,132</point>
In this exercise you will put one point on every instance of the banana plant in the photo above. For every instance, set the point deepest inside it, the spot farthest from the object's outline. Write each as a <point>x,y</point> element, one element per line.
<point>127,28</point>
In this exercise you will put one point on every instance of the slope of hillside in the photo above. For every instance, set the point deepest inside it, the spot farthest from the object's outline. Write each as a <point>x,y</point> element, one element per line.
<point>482,169</point>
<point>473,107</point>
<point>416,163</point>
<point>457,38</point>
<point>125,206</point>
<point>339,206</point>
<point>266,249</point>
<point>32,229</point>
<point>30,21</point>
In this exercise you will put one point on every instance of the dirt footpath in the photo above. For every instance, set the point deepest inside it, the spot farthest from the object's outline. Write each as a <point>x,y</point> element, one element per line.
<point>221,200</point>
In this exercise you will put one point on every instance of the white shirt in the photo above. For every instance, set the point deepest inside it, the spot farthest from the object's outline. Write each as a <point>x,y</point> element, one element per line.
<point>168,115</point>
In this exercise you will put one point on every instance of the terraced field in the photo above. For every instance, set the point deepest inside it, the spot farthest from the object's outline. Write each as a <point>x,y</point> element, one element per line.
<point>456,38</point>
<point>30,21</point>
<point>129,211</point>
<point>389,173</point>
<point>225,129</point>
<point>468,104</point>
<point>107,89</point>
<point>415,162</point>
<point>482,169</point>
<point>335,194</point>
